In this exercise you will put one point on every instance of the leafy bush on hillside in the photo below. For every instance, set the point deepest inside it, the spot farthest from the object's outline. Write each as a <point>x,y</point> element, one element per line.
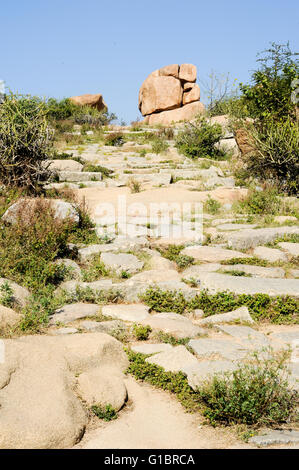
<point>25,142</point>
<point>197,140</point>
<point>256,393</point>
<point>270,95</point>
<point>276,154</point>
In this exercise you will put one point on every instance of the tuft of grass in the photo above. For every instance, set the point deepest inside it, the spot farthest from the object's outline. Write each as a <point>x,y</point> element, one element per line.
<point>211,206</point>
<point>6,295</point>
<point>106,413</point>
<point>134,185</point>
<point>141,332</point>
<point>173,253</point>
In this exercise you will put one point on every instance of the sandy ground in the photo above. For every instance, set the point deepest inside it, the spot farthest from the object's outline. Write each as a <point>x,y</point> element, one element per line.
<point>156,420</point>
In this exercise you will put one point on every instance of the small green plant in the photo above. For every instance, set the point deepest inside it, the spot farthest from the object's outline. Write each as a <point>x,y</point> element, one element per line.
<point>159,145</point>
<point>94,270</point>
<point>199,139</point>
<point>134,185</point>
<point>6,295</point>
<point>125,275</point>
<point>252,261</point>
<point>116,139</point>
<point>173,253</point>
<point>141,331</point>
<point>265,201</point>
<point>211,206</point>
<point>256,393</point>
<point>169,339</point>
<point>106,173</point>
<point>106,413</point>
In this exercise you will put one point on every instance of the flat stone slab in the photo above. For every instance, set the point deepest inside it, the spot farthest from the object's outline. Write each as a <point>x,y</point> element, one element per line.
<point>255,271</point>
<point>103,326</point>
<point>291,248</point>
<point>250,238</point>
<point>80,176</point>
<point>215,282</point>
<point>122,262</point>
<point>287,336</point>
<point>127,312</point>
<point>150,348</point>
<point>231,227</point>
<point>247,335</point>
<point>157,275</point>
<point>240,314</point>
<point>269,254</point>
<point>170,324</point>
<point>228,349</point>
<point>212,253</point>
<point>193,271</point>
<point>202,371</point>
<point>92,250</point>
<point>174,360</point>
<point>72,312</point>
<point>275,436</point>
<point>65,331</point>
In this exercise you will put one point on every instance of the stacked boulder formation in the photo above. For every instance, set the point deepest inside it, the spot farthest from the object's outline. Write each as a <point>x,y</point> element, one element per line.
<point>170,94</point>
<point>94,101</point>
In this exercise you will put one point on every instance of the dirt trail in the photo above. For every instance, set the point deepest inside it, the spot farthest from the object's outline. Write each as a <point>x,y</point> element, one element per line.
<point>156,420</point>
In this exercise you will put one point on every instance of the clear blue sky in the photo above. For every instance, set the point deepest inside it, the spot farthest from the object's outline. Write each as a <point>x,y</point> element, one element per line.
<point>62,48</point>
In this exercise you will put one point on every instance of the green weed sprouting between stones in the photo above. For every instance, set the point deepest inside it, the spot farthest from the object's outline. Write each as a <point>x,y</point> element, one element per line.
<point>141,332</point>
<point>106,413</point>
<point>173,253</point>
<point>262,307</point>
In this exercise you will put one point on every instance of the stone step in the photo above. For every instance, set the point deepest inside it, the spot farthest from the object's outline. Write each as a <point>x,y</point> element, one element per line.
<point>79,176</point>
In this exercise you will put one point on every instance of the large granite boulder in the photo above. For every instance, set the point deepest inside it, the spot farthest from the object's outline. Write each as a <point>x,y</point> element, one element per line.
<point>170,94</point>
<point>94,101</point>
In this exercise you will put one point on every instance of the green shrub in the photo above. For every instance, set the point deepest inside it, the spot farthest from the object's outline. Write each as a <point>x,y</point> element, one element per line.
<point>116,139</point>
<point>252,261</point>
<point>94,270</point>
<point>165,301</point>
<point>60,109</point>
<point>162,337</point>
<point>256,393</point>
<point>106,413</point>
<point>263,202</point>
<point>270,95</point>
<point>211,206</point>
<point>106,173</point>
<point>6,295</point>
<point>159,145</point>
<point>141,331</point>
<point>25,142</point>
<point>276,154</point>
<point>198,140</point>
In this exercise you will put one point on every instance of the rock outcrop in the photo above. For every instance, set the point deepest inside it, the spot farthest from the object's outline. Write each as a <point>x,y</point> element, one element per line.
<point>94,101</point>
<point>170,94</point>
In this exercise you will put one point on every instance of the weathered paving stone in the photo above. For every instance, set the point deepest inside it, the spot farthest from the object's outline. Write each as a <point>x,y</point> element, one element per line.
<point>275,436</point>
<point>133,290</point>
<point>174,360</point>
<point>173,324</point>
<point>72,312</point>
<point>269,254</point>
<point>150,348</point>
<point>228,349</point>
<point>65,165</point>
<point>287,336</point>
<point>193,271</point>
<point>92,250</point>
<point>232,227</point>
<point>122,262</point>
<point>65,331</point>
<point>103,326</point>
<point>212,253</point>
<point>240,314</point>
<point>255,271</point>
<point>294,273</point>
<point>250,238</point>
<point>281,219</point>
<point>215,282</point>
<point>202,371</point>
<point>291,248</point>
<point>247,335</point>
<point>154,275</point>
<point>97,286</point>
<point>127,312</point>
<point>79,176</point>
